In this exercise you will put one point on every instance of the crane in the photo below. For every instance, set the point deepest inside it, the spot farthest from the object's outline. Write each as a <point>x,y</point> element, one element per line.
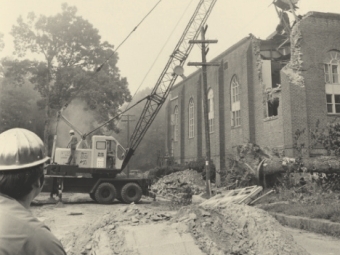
<point>98,166</point>
<point>168,77</point>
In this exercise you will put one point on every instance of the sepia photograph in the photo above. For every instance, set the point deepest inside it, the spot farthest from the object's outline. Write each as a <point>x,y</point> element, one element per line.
<point>169,127</point>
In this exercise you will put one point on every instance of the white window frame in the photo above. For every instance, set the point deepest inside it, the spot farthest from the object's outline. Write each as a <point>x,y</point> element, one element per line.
<point>211,110</point>
<point>191,118</point>
<point>332,86</point>
<point>235,102</point>
<point>334,104</point>
<point>331,71</point>
<point>176,124</point>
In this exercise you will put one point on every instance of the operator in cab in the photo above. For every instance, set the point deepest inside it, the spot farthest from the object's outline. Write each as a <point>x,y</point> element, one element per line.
<point>21,179</point>
<point>111,154</point>
<point>72,144</point>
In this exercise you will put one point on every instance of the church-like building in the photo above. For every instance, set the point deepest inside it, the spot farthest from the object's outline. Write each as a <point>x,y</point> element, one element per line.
<point>268,92</point>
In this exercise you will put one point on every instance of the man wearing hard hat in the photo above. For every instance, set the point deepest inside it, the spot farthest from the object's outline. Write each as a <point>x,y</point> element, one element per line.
<point>21,179</point>
<point>73,145</point>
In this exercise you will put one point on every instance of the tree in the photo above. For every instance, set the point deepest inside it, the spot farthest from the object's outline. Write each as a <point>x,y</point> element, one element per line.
<point>18,107</point>
<point>72,54</point>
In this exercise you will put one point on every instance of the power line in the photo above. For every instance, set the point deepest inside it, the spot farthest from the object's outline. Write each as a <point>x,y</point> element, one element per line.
<point>158,55</point>
<point>160,52</point>
<point>253,19</point>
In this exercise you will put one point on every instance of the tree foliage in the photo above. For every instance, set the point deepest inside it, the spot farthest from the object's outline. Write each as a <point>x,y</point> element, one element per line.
<point>328,137</point>
<point>70,53</point>
<point>18,107</point>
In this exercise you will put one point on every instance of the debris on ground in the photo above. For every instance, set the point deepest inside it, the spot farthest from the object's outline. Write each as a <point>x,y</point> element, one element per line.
<point>104,235</point>
<point>237,229</point>
<point>218,228</point>
<point>237,196</point>
<point>180,186</point>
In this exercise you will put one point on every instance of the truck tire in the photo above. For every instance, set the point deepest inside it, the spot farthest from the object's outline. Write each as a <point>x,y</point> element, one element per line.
<point>131,192</point>
<point>105,193</point>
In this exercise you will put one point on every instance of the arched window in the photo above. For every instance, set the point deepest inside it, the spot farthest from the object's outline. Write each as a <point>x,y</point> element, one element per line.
<point>211,110</point>
<point>176,124</point>
<point>191,118</point>
<point>235,103</point>
<point>332,87</point>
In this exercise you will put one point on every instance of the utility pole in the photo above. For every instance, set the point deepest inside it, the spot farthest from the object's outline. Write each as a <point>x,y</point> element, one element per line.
<point>128,136</point>
<point>204,65</point>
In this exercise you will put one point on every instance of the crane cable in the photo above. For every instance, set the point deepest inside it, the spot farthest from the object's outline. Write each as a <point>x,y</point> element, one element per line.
<point>157,57</point>
<point>108,58</point>
<point>115,117</point>
<point>161,51</point>
<point>101,66</point>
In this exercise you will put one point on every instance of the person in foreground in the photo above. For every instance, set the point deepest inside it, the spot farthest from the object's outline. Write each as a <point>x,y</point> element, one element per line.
<point>21,180</point>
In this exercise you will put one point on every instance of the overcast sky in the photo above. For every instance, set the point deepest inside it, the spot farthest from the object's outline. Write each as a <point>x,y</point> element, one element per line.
<point>230,21</point>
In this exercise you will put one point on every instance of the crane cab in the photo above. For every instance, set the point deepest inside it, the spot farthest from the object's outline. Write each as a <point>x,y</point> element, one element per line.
<point>104,152</point>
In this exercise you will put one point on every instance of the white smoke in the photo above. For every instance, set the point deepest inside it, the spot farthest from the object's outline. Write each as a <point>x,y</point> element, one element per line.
<point>79,116</point>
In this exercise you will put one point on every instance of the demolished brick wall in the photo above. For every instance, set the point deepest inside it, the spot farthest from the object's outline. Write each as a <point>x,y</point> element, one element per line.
<point>301,96</point>
<point>303,87</point>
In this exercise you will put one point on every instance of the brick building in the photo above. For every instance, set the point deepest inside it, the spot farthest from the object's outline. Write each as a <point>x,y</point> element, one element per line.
<point>262,92</point>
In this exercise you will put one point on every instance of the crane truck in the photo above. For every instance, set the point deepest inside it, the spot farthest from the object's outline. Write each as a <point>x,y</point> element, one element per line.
<point>97,166</point>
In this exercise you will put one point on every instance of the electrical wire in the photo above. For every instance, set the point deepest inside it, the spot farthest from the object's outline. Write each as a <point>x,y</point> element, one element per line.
<point>101,66</point>
<point>158,55</point>
<point>252,20</point>
<point>161,51</point>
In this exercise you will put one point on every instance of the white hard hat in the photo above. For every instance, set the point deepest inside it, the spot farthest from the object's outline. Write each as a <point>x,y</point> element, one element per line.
<point>71,131</point>
<point>20,148</point>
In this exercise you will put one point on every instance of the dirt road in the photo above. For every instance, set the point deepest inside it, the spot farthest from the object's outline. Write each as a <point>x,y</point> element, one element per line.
<point>85,227</point>
<point>316,244</point>
<point>69,223</point>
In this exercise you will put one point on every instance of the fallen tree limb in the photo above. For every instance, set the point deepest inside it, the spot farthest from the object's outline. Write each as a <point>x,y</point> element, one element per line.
<point>324,164</point>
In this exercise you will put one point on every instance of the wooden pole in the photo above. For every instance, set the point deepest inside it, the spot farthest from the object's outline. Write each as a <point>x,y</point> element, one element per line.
<point>205,113</point>
<point>204,64</point>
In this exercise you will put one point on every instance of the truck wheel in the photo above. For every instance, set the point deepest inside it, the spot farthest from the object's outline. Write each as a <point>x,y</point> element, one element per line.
<point>105,193</point>
<point>131,192</point>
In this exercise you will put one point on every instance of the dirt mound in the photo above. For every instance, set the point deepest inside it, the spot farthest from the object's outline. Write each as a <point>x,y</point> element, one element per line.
<point>135,229</point>
<point>104,235</point>
<point>237,229</point>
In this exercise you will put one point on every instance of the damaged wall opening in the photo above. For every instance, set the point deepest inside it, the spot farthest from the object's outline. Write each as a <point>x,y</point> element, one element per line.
<point>273,106</point>
<point>276,77</point>
<point>271,73</point>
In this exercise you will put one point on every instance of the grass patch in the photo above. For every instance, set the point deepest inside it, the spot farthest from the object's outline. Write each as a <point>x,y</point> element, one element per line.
<point>315,211</point>
<point>311,202</point>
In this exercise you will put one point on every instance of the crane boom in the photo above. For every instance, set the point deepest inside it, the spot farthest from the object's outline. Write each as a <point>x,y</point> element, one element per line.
<point>167,78</point>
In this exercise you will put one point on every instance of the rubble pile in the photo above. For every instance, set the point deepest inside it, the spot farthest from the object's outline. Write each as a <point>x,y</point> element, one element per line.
<point>237,229</point>
<point>180,186</point>
<point>104,235</point>
<point>223,229</point>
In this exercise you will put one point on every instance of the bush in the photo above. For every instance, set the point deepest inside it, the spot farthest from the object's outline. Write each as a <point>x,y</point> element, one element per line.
<point>199,166</point>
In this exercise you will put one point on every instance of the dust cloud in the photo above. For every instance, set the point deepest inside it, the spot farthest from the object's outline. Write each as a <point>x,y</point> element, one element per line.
<point>78,114</point>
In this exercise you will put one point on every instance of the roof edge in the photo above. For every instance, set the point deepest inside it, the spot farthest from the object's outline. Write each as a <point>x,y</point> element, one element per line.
<point>227,51</point>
